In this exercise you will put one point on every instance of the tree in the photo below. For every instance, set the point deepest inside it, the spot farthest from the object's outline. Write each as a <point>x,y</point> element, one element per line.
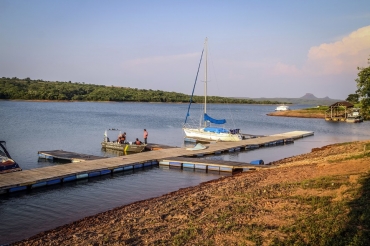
<point>353,98</point>
<point>363,89</point>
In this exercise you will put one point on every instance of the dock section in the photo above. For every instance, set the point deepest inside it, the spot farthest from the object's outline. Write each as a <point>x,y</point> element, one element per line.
<point>29,179</point>
<point>155,146</point>
<point>67,155</point>
<point>209,165</point>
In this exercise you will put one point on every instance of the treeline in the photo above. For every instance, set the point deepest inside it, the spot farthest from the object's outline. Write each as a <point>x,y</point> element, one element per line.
<point>27,89</point>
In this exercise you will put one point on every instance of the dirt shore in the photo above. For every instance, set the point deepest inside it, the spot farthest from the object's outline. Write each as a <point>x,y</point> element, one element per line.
<point>304,199</point>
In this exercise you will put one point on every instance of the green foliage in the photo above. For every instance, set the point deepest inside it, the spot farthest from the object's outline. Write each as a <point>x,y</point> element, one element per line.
<point>363,90</point>
<point>27,89</point>
<point>353,98</point>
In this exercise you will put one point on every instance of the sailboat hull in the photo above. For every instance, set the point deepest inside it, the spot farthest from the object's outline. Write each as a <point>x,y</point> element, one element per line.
<point>211,136</point>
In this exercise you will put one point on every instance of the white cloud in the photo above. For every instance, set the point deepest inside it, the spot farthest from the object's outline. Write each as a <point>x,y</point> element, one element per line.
<point>341,57</point>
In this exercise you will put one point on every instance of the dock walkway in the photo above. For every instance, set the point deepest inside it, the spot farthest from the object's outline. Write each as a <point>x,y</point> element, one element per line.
<point>67,155</point>
<point>210,165</point>
<point>29,179</point>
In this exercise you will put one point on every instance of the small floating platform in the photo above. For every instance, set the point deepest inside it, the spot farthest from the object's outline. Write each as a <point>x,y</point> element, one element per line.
<point>294,134</point>
<point>197,140</point>
<point>247,136</point>
<point>209,164</point>
<point>154,146</point>
<point>66,155</point>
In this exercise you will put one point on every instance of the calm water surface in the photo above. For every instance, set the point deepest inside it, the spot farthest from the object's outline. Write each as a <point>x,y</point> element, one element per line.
<point>29,127</point>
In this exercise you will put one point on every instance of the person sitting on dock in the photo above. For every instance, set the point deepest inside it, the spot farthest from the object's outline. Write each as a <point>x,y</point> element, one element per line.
<point>138,142</point>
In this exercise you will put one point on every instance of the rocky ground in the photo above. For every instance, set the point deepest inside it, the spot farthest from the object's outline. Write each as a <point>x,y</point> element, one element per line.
<point>302,199</point>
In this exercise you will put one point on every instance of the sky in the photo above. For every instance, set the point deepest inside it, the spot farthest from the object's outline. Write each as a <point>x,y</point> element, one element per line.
<point>255,48</point>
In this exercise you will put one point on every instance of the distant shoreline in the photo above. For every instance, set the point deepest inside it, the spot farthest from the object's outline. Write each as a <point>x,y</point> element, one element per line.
<point>300,113</point>
<point>24,100</point>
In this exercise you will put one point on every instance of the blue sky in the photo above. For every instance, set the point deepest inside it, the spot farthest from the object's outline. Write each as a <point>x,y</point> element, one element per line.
<point>256,48</point>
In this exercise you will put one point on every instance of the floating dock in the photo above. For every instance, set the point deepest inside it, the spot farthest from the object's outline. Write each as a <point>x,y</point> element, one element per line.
<point>30,179</point>
<point>154,146</point>
<point>197,140</point>
<point>66,155</point>
<point>209,165</point>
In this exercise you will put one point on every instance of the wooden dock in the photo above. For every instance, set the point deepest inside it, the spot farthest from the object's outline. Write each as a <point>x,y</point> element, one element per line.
<point>67,155</point>
<point>244,136</point>
<point>155,146</point>
<point>30,179</point>
<point>209,165</point>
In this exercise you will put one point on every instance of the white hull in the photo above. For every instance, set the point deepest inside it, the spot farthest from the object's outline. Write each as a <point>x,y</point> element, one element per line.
<point>200,134</point>
<point>282,108</point>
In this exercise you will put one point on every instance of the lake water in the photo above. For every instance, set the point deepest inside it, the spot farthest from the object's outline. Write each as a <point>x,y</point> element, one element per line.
<point>29,127</point>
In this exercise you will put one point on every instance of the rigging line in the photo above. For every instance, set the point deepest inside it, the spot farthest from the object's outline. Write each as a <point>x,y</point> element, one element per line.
<point>217,84</point>
<point>195,82</point>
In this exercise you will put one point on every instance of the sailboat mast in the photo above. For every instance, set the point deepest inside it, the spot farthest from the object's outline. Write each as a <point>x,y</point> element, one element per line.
<point>205,78</point>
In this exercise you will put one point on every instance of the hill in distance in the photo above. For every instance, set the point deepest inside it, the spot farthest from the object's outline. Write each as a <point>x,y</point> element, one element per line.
<point>310,96</point>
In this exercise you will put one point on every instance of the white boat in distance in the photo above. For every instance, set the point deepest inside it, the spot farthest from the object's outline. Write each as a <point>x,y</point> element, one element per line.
<point>205,131</point>
<point>282,108</point>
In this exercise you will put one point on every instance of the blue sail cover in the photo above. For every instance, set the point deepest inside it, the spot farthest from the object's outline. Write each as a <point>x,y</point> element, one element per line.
<point>210,119</point>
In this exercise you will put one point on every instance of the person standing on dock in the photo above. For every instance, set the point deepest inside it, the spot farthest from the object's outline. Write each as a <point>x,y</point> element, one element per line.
<point>145,136</point>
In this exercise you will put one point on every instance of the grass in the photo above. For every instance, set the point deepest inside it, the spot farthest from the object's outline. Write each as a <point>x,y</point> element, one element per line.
<point>324,183</point>
<point>352,157</point>
<point>186,234</point>
<point>318,108</point>
<point>312,111</point>
<point>328,221</point>
<point>314,219</point>
<point>327,210</point>
<point>367,146</point>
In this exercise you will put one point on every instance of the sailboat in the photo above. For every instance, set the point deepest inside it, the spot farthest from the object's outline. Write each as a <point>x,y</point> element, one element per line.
<point>205,131</point>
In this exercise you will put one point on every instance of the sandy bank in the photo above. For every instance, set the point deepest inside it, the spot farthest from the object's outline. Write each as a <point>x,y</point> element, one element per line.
<point>305,198</point>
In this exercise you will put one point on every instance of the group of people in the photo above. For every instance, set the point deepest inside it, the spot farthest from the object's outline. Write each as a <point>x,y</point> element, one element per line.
<point>122,138</point>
